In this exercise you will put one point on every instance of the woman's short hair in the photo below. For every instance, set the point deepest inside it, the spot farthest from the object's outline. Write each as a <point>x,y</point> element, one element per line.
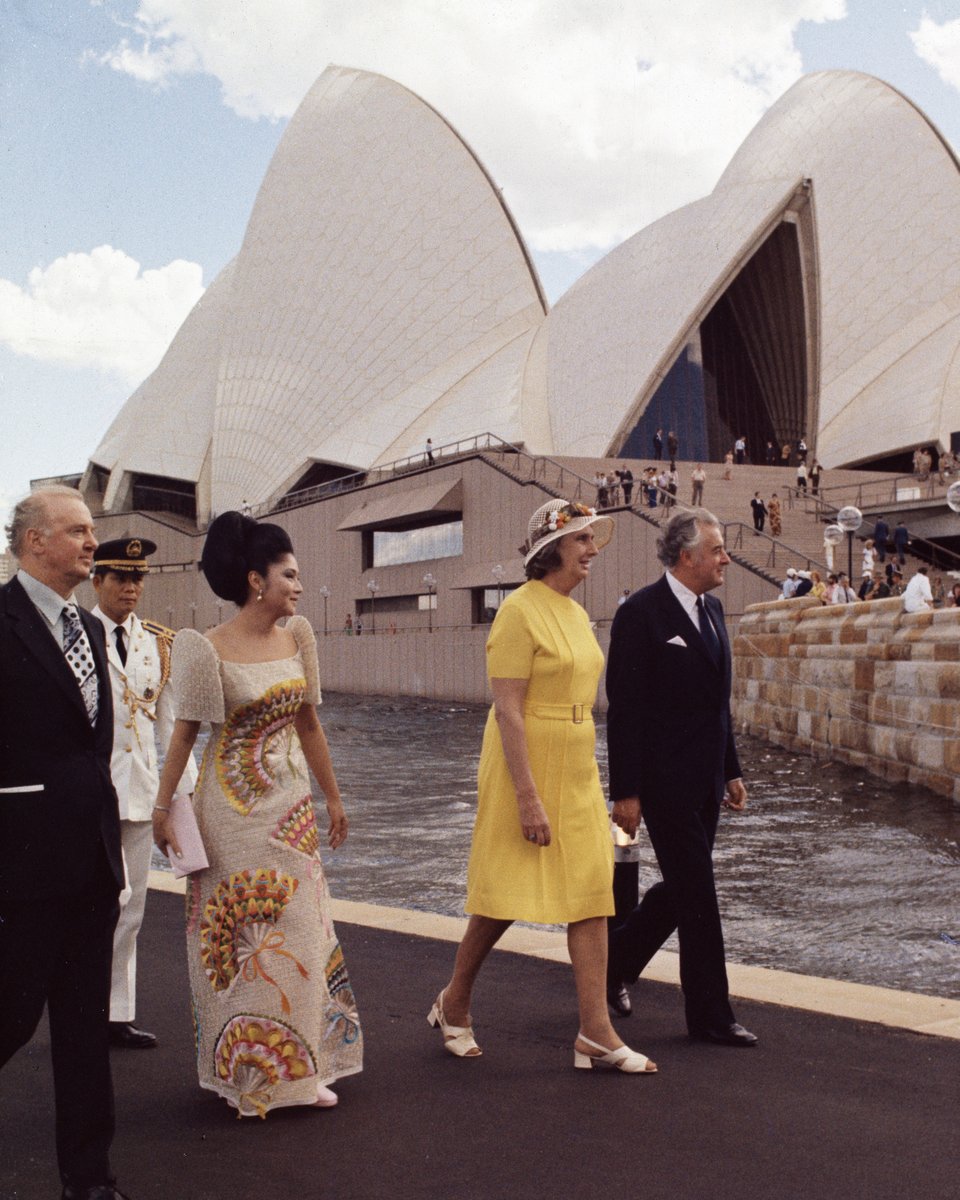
<point>236,545</point>
<point>683,532</point>
<point>546,561</point>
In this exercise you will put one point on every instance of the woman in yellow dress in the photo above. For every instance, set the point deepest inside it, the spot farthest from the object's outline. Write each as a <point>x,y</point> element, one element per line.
<point>542,849</point>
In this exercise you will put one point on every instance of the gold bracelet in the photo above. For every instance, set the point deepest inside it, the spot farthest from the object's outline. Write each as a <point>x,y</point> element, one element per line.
<point>160,808</point>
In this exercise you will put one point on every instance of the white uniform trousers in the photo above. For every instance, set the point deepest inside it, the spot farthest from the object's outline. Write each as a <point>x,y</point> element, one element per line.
<point>137,838</point>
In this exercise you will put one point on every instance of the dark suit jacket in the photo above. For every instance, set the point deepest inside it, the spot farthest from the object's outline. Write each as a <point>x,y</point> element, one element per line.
<point>669,731</point>
<point>54,841</point>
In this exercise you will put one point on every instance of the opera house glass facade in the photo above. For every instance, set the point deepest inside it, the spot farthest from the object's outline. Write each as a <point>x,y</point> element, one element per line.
<point>743,369</point>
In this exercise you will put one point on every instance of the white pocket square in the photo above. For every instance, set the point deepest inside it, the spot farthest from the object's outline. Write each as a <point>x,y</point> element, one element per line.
<point>677,641</point>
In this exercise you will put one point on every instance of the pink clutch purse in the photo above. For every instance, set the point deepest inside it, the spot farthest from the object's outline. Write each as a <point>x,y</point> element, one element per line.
<point>192,856</point>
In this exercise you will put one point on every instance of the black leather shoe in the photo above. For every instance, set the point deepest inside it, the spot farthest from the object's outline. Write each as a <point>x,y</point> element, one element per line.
<point>123,1033</point>
<point>99,1191</point>
<point>619,999</point>
<point>726,1035</point>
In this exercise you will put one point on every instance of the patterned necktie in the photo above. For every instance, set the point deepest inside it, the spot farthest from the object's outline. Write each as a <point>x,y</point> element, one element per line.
<point>708,633</point>
<point>79,654</point>
<point>121,645</point>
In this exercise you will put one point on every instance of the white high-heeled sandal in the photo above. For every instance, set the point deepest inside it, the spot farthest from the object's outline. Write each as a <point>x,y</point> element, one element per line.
<point>458,1039</point>
<point>325,1098</point>
<point>621,1059</point>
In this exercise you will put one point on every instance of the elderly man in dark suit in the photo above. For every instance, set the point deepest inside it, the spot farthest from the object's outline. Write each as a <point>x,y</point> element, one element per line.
<point>59,829</point>
<point>669,642</point>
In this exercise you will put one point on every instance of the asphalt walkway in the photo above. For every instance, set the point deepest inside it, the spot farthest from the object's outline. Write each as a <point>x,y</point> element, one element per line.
<point>826,1107</point>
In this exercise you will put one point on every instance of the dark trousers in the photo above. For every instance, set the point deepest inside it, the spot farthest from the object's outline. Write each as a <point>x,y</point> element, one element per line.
<point>685,900</point>
<point>57,952</point>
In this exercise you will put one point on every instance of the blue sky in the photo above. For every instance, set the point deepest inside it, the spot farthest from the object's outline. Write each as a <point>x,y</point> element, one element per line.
<point>135,134</point>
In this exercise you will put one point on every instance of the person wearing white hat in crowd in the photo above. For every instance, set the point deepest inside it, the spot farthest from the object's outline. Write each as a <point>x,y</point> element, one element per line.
<point>789,589</point>
<point>804,583</point>
<point>541,848</point>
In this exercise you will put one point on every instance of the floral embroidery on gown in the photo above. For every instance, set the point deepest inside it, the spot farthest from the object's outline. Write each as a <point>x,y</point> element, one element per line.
<point>275,1015</point>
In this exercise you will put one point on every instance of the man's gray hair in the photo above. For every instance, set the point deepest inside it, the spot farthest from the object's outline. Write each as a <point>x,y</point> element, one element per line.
<point>32,513</point>
<point>683,532</point>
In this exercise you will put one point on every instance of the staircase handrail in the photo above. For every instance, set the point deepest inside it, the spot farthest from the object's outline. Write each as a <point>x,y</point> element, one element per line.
<point>885,491</point>
<point>937,556</point>
<point>774,545</point>
<point>449,451</point>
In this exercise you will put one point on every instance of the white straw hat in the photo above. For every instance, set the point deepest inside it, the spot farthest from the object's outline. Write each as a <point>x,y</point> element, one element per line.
<point>558,517</point>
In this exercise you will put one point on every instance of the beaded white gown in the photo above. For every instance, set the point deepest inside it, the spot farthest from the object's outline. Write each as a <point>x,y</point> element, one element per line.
<point>274,1013</point>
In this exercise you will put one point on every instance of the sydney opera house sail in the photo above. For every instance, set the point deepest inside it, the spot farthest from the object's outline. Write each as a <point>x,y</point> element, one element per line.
<point>383,295</point>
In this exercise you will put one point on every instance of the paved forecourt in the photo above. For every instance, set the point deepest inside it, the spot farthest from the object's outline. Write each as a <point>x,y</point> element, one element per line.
<point>834,1106</point>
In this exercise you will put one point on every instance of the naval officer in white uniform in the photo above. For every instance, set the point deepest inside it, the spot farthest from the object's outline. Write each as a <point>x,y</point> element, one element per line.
<point>143,706</point>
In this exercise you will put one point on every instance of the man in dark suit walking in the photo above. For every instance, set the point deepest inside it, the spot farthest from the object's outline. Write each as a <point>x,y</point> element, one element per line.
<point>59,829</point>
<point>669,642</point>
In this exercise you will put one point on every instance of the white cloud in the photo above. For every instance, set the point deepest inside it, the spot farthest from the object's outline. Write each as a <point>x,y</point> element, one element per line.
<point>939,45</point>
<point>99,310</point>
<point>594,116</point>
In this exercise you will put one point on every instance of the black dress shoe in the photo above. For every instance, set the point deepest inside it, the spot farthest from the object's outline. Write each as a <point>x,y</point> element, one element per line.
<point>726,1035</point>
<point>99,1191</point>
<point>619,999</point>
<point>123,1033</point>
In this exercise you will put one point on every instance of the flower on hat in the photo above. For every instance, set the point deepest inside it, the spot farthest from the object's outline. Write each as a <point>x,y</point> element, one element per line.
<point>558,517</point>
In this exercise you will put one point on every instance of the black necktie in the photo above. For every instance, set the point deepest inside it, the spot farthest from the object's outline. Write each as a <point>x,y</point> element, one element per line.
<point>121,648</point>
<point>708,633</point>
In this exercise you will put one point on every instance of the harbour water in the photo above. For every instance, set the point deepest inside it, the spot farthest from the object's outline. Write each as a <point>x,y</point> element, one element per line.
<point>829,872</point>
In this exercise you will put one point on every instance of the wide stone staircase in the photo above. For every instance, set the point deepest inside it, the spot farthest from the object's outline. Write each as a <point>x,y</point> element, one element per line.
<point>803,518</point>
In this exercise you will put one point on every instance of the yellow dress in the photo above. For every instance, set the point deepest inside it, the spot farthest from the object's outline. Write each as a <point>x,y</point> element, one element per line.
<point>546,638</point>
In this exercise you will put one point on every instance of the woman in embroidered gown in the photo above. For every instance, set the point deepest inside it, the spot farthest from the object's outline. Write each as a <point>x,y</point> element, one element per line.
<point>542,849</point>
<point>274,1014</point>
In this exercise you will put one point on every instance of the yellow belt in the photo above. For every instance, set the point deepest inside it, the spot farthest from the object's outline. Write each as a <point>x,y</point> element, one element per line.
<point>577,713</point>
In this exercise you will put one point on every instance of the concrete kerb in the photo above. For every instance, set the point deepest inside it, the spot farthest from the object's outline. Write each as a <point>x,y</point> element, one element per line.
<point>934,1016</point>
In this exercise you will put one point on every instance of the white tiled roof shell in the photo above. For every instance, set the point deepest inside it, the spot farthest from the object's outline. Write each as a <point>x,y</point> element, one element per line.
<point>613,336</point>
<point>166,425</point>
<point>886,192</point>
<point>383,295</point>
<point>379,269</point>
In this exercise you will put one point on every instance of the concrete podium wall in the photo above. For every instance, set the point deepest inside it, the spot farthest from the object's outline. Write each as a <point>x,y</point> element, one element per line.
<point>864,683</point>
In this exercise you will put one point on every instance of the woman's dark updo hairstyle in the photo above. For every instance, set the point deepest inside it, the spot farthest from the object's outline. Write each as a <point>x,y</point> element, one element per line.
<point>236,545</point>
<point>544,561</point>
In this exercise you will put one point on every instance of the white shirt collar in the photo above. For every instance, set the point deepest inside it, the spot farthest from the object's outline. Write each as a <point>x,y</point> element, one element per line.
<point>48,603</point>
<point>687,599</point>
<point>110,625</point>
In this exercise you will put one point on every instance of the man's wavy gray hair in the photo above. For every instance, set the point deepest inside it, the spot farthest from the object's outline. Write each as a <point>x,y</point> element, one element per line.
<point>683,532</point>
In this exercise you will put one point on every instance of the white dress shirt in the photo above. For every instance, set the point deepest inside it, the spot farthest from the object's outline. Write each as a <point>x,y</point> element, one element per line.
<point>917,593</point>
<point>688,600</point>
<point>46,601</point>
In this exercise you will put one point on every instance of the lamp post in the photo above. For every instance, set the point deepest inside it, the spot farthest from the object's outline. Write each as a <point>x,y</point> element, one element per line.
<point>325,593</point>
<point>850,519</point>
<point>497,572</point>
<point>373,587</point>
<point>431,581</point>
<point>832,536</point>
